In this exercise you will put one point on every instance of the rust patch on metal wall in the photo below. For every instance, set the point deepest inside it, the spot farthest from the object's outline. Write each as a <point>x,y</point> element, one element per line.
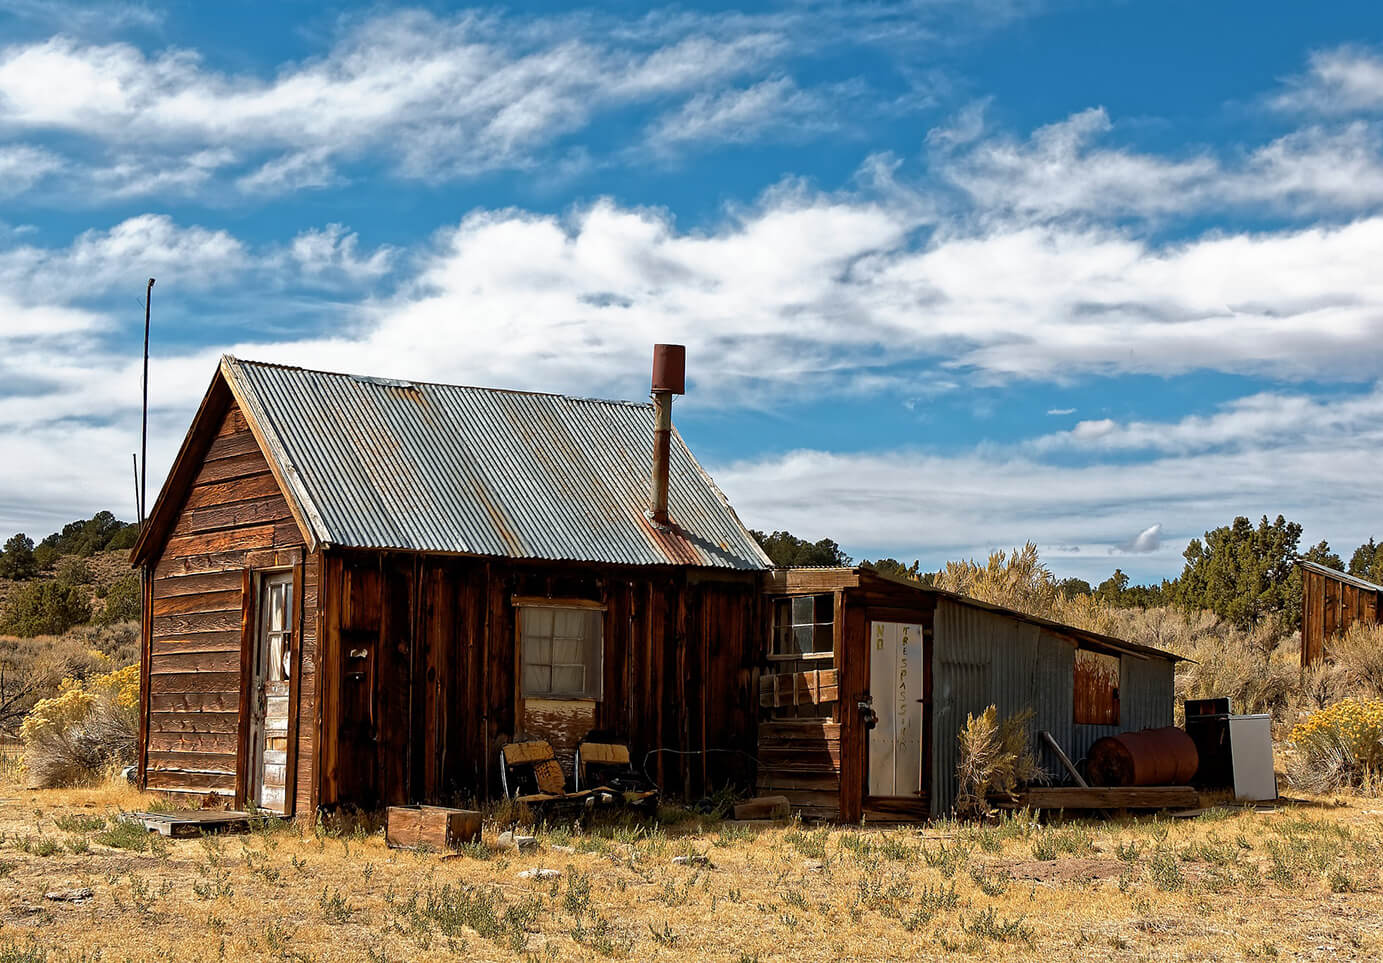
<point>1096,688</point>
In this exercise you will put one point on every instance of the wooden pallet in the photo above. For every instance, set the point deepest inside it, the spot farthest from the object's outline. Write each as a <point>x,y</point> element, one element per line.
<point>193,822</point>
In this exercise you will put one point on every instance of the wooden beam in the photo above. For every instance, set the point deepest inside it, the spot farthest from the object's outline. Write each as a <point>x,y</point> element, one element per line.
<point>1050,740</point>
<point>1109,797</point>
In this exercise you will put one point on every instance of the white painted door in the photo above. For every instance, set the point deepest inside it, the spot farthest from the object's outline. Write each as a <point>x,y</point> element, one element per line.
<point>895,683</point>
<point>269,696</point>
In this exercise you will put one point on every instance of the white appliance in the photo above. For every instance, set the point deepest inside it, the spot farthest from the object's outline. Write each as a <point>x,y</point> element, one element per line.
<point>1251,749</point>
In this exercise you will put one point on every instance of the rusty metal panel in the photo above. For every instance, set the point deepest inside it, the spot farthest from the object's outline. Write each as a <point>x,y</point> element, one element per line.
<point>385,464</point>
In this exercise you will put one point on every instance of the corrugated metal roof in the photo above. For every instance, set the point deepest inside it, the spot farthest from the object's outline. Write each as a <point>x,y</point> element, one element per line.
<point>1336,574</point>
<point>387,464</point>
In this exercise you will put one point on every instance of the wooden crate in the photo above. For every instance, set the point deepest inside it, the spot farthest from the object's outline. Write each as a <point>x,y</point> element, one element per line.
<point>430,827</point>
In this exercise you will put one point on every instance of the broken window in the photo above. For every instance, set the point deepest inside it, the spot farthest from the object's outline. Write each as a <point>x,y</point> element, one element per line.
<point>804,626</point>
<point>1097,688</point>
<point>561,651</point>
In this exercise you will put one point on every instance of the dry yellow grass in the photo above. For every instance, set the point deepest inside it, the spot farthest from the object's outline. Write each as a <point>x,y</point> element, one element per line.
<point>1299,882</point>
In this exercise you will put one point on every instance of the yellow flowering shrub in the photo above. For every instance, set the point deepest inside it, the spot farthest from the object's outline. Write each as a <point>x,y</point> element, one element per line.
<point>85,729</point>
<point>1340,745</point>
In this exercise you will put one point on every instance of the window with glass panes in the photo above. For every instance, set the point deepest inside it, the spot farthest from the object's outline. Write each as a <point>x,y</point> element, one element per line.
<point>561,651</point>
<point>276,594</point>
<point>804,626</point>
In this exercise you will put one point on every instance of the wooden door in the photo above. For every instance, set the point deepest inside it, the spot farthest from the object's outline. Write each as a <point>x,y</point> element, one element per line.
<point>269,693</point>
<point>895,686</point>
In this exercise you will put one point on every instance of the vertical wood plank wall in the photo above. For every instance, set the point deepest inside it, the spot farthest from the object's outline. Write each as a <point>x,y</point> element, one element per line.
<point>419,688</point>
<point>1329,607</point>
<point>234,515</point>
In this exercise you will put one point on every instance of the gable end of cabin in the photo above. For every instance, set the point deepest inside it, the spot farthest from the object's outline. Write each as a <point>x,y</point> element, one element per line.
<point>231,549</point>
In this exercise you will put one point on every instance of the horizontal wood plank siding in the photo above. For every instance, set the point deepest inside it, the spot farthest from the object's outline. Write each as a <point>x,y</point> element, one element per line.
<point>233,515</point>
<point>801,760</point>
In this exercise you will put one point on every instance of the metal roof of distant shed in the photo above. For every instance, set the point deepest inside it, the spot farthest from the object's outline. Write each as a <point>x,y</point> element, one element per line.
<point>385,464</point>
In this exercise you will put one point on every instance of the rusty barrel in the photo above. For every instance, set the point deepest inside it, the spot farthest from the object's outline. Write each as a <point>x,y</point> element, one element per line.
<point>1151,757</point>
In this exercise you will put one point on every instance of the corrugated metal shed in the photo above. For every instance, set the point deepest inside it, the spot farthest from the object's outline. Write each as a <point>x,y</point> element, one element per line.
<point>984,657</point>
<point>385,464</point>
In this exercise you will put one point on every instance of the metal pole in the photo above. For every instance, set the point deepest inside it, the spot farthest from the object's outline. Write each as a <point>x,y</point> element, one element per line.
<point>138,498</point>
<point>144,427</point>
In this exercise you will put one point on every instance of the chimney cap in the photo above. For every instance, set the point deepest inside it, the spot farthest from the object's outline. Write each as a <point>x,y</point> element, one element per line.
<point>670,368</point>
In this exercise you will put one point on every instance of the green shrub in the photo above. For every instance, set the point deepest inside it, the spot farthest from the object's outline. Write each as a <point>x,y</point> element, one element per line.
<point>45,608</point>
<point>75,571</point>
<point>124,602</point>
<point>17,561</point>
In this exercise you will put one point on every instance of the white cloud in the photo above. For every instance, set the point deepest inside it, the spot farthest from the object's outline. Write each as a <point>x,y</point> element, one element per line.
<point>912,503</point>
<point>1061,411</point>
<point>21,321</point>
<point>1062,171</point>
<point>773,107</point>
<point>1251,421</point>
<point>335,250</point>
<point>1146,541</point>
<point>101,261</point>
<point>1338,81</point>
<point>82,17</point>
<point>23,165</point>
<point>439,96</point>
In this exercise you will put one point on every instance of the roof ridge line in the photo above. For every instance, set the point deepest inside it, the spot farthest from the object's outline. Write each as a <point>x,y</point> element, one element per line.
<point>358,376</point>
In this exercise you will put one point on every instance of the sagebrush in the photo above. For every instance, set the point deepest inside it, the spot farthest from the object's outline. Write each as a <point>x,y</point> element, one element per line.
<point>88,729</point>
<point>996,758</point>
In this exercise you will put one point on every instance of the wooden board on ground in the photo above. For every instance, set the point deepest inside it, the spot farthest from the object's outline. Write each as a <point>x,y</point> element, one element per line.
<point>763,807</point>
<point>430,827</point>
<point>195,822</point>
<point>1108,797</point>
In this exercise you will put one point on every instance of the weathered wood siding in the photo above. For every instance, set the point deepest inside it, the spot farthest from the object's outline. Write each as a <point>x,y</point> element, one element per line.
<point>420,687</point>
<point>822,766</point>
<point>233,519</point>
<point>1329,607</point>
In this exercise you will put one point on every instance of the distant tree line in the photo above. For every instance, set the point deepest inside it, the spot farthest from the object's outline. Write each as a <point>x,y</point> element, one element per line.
<point>52,605</point>
<point>1241,571</point>
<point>103,532</point>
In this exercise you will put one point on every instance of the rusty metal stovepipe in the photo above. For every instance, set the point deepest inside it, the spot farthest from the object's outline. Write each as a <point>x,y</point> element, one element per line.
<point>669,378</point>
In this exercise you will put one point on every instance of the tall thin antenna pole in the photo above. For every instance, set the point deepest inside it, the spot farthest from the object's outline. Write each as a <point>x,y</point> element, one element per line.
<point>144,426</point>
<point>138,498</point>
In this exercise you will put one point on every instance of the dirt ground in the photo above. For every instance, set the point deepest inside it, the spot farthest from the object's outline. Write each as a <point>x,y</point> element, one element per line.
<point>1301,881</point>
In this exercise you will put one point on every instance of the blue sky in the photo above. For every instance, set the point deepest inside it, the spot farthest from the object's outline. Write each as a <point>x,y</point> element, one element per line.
<point>952,276</point>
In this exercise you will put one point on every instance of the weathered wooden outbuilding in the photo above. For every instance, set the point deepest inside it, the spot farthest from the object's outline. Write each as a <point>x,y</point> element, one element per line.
<point>1332,601</point>
<point>870,678</point>
<point>358,589</point>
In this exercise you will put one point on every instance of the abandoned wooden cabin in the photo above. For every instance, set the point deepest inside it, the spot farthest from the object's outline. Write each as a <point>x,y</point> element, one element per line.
<point>1332,601</point>
<point>358,589</point>
<point>870,679</point>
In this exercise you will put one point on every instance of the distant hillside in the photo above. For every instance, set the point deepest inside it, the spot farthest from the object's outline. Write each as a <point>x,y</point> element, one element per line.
<point>105,568</point>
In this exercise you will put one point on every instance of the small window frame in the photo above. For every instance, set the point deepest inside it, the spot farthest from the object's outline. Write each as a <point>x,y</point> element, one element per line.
<point>808,617</point>
<point>537,626</point>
